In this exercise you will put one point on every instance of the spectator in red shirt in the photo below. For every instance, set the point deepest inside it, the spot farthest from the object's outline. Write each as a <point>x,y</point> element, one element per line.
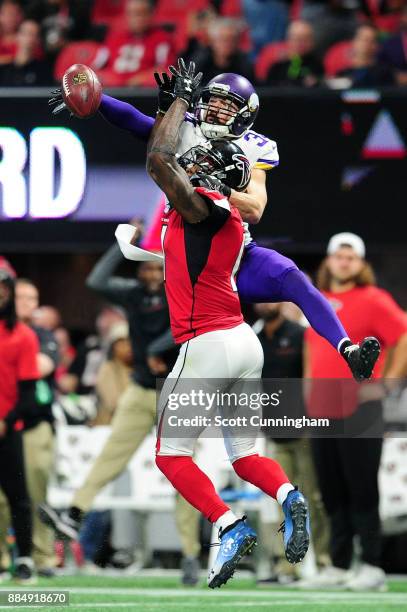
<point>18,375</point>
<point>134,54</point>
<point>347,468</point>
<point>11,16</point>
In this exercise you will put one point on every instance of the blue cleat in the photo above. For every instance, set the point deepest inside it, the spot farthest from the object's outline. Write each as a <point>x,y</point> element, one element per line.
<point>236,541</point>
<point>296,527</point>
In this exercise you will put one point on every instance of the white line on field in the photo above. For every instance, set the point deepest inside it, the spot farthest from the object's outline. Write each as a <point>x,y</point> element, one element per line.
<point>259,594</point>
<point>178,605</point>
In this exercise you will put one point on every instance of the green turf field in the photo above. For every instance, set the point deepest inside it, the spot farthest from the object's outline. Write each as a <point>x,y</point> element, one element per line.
<point>109,594</point>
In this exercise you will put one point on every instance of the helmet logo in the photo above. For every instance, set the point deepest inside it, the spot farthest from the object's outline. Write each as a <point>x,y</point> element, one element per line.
<point>253,102</point>
<point>242,164</point>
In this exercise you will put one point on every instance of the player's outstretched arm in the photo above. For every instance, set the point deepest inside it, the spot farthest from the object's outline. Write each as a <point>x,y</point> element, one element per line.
<point>127,117</point>
<point>252,202</point>
<point>161,162</point>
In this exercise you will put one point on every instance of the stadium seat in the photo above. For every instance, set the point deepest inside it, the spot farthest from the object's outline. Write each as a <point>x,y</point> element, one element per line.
<point>231,8</point>
<point>82,52</point>
<point>337,58</point>
<point>269,55</point>
<point>106,10</point>
<point>171,12</point>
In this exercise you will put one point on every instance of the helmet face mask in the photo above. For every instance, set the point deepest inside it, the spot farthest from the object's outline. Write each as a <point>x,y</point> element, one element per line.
<point>228,107</point>
<point>219,158</point>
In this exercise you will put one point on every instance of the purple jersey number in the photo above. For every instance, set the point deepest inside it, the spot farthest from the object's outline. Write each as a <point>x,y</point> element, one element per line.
<point>261,140</point>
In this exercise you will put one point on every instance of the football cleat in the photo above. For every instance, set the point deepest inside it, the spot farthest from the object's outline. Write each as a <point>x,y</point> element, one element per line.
<point>236,541</point>
<point>64,526</point>
<point>295,527</point>
<point>362,358</point>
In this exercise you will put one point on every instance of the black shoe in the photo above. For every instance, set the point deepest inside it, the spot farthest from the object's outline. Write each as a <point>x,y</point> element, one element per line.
<point>46,572</point>
<point>190,571</point>
<point>362,357</point>
<point>24,571</point>
<point>63,524</point>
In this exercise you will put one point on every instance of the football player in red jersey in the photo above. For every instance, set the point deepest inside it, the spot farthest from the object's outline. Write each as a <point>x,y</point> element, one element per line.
<point>202,242</point>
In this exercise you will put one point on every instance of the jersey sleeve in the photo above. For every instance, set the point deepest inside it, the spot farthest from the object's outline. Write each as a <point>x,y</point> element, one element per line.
<point>268,157</point>
<point>27,368</point>
<point>219,209</point>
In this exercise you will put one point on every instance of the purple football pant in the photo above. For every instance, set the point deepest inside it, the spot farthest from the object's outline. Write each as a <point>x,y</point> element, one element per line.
<point>268,276</point>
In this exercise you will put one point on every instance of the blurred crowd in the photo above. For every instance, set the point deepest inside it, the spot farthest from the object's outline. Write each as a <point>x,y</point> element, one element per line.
<point>303,43</point>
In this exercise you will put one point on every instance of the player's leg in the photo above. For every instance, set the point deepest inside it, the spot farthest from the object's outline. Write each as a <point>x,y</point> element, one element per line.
<point>263,472</point>
<point>267,276</point>
<point>133,420</point>
<point>202,358</point>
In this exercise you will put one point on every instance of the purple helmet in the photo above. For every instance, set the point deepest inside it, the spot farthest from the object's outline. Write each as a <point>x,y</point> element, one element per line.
<point>230,120</point>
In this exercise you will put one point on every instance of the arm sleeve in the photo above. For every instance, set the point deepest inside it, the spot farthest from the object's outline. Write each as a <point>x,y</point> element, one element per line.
<point>389,319</point>
<point>127,117</point>
<point>219,211</point>
<point>115,288</point>
<point>26,404</point>
<point>27,368</point>
<point>161,345</point>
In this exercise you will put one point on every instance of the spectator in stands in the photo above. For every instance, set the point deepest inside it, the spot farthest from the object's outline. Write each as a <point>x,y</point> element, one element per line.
<point>302,67</point>
<point>347,464</point>
<point>18,376</point>
<point>383,14</point>
<point>66,351</point>
<point>365,69</point>
<point>114,374</point>
<point>38,437</point>
<point>61,21</point>
<point>267,20</point>
<point>283,345</point>
<point>134,54</point>
<point>332,21</point>
<point>47,317</point>
<point>82,374</point>
<point>393,52</point>
<point>11,16</point>
<point>26,69</point>
<point>222,53</point>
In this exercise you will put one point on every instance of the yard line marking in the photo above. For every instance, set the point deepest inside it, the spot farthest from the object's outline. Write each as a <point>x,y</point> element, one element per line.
<point>261,594</point>
<point>178,605</point>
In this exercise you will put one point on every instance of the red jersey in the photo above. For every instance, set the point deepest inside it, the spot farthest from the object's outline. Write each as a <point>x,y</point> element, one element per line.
<point>201,261</point>
<point>18,361</point>
<point>130,54</point>
<point>363,311</point>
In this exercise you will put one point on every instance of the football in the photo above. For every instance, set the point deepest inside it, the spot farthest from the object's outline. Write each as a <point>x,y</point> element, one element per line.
<point>81,90</point>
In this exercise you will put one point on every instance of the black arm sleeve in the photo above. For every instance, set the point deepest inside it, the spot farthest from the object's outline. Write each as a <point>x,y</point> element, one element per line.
<point>161,345</point>
<point>115,288</point>
<point>26,404</point>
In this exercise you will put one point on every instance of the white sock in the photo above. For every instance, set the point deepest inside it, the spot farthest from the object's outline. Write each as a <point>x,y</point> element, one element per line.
<point>283,491</point>
<point>225,520</point>
<point>341,342</point>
